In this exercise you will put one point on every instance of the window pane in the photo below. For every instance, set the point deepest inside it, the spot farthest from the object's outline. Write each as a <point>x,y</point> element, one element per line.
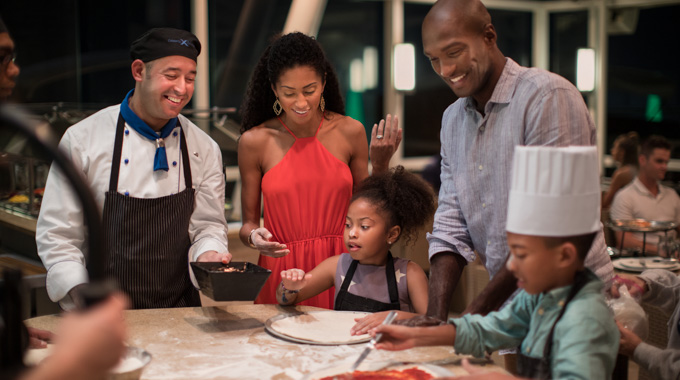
<point>424,107</point>
<point>568,33</point>
<point>82,56</point>
<point>347,29</point>
<point>643,78</point>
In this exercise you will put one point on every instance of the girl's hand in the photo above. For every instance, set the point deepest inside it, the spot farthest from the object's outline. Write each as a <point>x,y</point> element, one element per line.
<point>385,139</point>
<point>368,322</point>
<point>260,240</point>
<point>294,279</point>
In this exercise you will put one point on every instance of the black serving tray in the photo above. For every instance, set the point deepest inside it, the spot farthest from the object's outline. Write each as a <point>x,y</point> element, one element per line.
<point>242,285</point>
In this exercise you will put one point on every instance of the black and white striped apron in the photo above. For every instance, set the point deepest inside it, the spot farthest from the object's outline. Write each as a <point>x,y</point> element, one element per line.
<point>148,239</point>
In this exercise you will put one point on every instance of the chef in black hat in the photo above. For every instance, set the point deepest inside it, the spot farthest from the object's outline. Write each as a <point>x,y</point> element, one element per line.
<point>157,178</point>
<point>8,68</point>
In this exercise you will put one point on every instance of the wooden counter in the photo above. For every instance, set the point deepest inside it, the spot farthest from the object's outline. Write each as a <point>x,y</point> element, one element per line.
<point>21,223</point>
<point>229,342</point>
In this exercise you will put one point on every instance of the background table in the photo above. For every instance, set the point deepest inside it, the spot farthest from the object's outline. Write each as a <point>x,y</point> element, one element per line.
<point>229,342</point>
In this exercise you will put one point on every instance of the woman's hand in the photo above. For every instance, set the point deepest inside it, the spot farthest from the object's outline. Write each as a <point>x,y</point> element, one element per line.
<point>385,139</point>
<point>294,279</point>
<point>259,237</point>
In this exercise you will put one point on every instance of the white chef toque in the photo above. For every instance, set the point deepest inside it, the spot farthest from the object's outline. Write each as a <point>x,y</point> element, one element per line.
<point>554,191</point>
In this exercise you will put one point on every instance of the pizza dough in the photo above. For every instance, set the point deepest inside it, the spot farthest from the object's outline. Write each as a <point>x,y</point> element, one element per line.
<point>321,326</point>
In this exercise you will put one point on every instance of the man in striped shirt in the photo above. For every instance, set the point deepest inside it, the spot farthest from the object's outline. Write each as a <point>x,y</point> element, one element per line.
<point>501,104</point>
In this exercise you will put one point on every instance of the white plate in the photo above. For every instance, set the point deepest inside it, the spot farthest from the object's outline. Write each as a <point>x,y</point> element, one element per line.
<point>436,371</point>
<point>320,323</point>
<point>643,263</point>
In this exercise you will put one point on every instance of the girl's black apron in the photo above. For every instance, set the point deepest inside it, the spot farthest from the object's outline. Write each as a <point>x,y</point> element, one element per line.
<point>348,301</point>
<point>148,239</point>
<point>539,368</point>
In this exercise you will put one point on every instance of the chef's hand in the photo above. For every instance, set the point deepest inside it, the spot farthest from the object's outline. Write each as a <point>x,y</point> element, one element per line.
<point>294,279</point>
<point>480,373</point>
<point>636,286</point>
<point>214,256</point>
<point>38,338</point>
<point>629,341</point>
<point>260,239</point>
<point>420,321</point>
<point>382,149</point>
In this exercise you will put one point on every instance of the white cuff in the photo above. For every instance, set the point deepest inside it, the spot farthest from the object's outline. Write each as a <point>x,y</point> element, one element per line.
<point>62,277</point>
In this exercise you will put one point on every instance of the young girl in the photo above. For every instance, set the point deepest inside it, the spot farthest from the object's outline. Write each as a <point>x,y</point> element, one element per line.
<point>384,208</point>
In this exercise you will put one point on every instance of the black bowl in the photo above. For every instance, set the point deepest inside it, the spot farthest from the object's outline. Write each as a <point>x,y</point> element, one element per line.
<point>236,281</point>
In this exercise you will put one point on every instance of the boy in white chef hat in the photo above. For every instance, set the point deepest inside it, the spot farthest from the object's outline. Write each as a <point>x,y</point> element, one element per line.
<point>559,319</point>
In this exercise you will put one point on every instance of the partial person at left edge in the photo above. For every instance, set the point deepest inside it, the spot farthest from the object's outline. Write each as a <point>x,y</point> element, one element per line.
<point>156,177</point>
<point>9,70</point>
<point>90,343</point>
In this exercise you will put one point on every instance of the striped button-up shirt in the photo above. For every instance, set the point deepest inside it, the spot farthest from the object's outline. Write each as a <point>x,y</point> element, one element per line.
<point>529,106</point>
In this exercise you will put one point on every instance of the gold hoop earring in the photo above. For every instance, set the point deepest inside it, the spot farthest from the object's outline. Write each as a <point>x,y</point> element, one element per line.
<point>277,107</point>
<point>322,103</point>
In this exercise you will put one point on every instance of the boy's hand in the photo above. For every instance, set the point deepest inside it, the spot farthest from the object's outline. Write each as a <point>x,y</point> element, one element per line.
<point>395,338</point>
<point>294,279</point>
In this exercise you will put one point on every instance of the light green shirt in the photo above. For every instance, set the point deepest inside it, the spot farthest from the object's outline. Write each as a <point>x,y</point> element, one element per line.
<point>585,341</point>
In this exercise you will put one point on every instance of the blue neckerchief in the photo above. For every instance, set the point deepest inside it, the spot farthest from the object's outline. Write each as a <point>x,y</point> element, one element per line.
<point>160,160</point>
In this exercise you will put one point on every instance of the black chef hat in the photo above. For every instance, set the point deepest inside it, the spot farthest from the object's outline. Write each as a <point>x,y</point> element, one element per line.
<point>163,42</point>
<point>3,27</point>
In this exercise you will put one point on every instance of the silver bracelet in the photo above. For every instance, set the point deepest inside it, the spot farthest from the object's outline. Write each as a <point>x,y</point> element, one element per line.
<point>250,238</point>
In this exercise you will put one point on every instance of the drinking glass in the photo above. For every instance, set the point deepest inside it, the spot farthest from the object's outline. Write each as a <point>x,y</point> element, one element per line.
<point>667,247</point>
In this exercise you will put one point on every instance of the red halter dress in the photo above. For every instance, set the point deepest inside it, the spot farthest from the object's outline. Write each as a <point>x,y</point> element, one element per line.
<point>306,196</point>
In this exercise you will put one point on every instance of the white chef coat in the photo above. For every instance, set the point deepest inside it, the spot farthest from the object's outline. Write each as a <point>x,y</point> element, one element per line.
<point>60,234</point>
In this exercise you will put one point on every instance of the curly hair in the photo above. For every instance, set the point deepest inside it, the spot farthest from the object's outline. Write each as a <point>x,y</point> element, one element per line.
<point>283,53</point>
<point>406,200</point>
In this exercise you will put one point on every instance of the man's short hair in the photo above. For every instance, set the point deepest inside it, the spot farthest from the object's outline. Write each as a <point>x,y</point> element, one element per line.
<point>581,242</point>
<point>654,142</point>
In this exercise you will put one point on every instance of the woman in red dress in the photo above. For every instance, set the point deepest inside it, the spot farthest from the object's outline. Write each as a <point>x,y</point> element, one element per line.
<point>302,156</point>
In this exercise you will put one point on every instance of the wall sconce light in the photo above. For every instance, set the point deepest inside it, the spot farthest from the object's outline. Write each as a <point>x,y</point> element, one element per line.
<point>370,67</point>
<point>585,69</point>
<point>356,75</point>
<point>404,67</point>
